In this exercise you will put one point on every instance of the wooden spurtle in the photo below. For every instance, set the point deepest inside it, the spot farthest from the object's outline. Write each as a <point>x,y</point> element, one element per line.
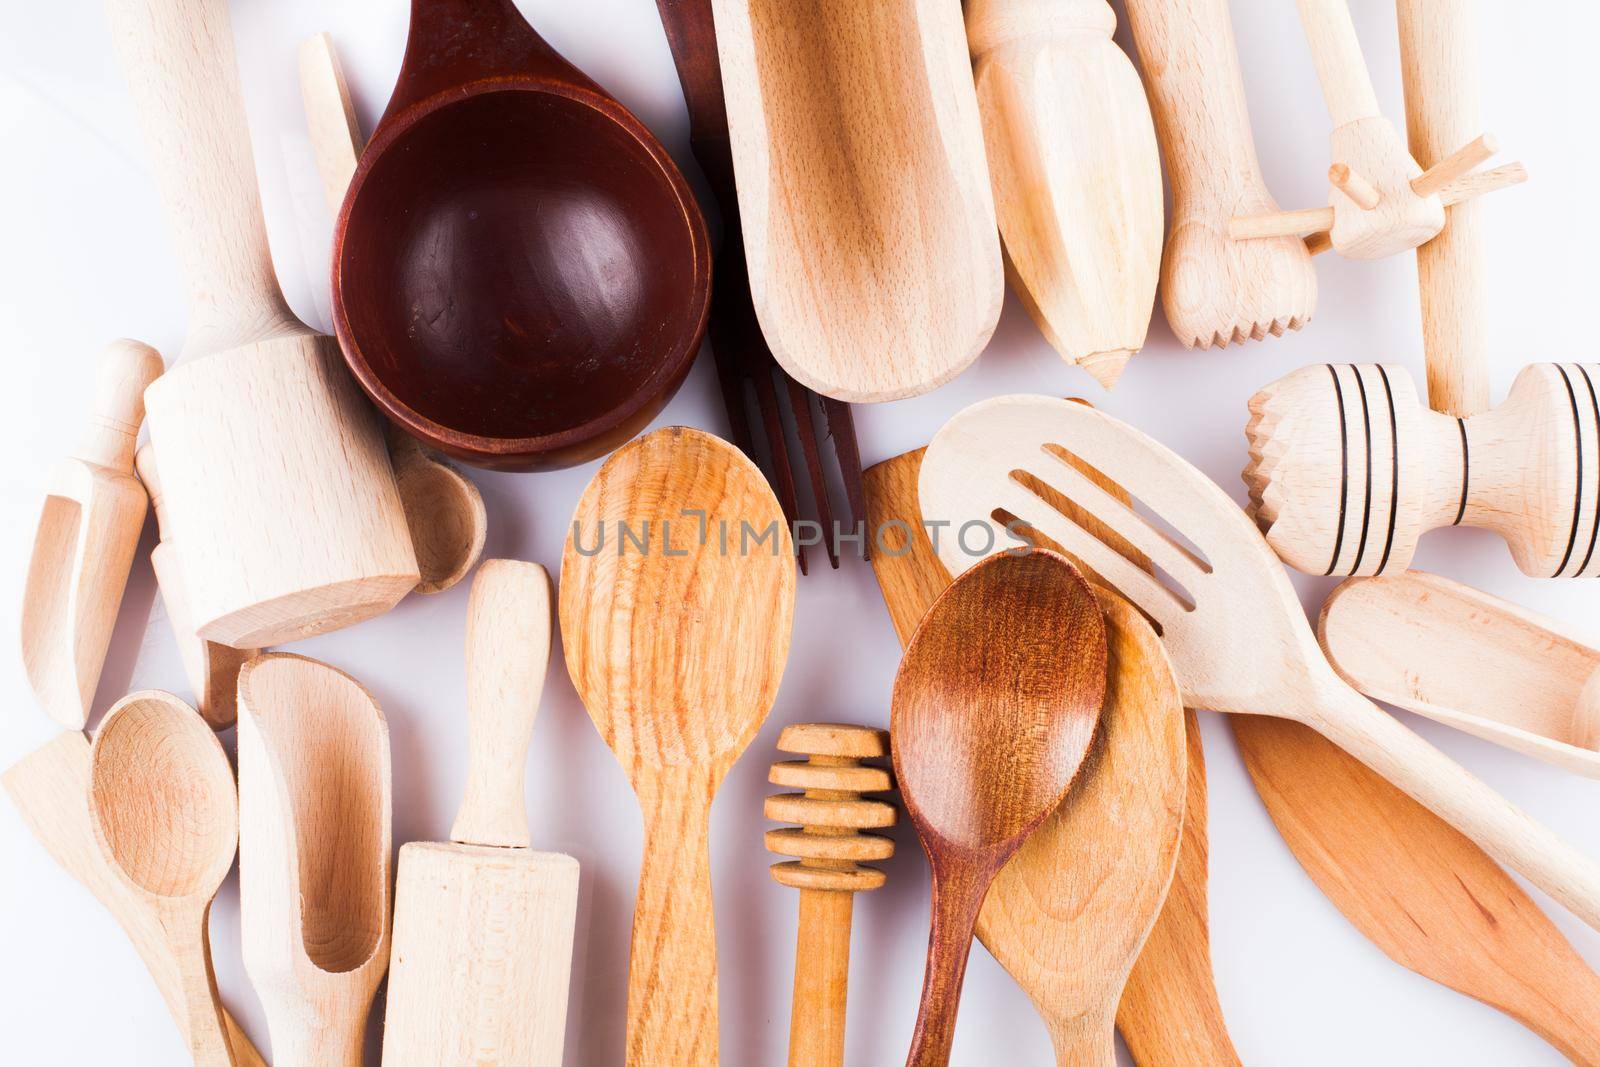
<point>994,706</point>
<point>314,875</point>
<point>87,535</point>
<point>677,595</point>
<point>869,225</point>
<point>483,925</point>
<point>1169,1013</point>
<point>50,788</point>
<point>166,816</point>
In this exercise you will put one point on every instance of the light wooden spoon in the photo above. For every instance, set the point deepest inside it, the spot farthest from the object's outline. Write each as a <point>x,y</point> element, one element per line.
<point>314,874</point>
<point>676,643</point>
<point>994,707</point>
<point>166,815</point>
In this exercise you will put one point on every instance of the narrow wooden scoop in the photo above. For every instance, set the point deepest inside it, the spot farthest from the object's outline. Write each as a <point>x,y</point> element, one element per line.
<point>994,707</point>
<point>314,854</point>
<point>164,809</point>
<point>675,619</point>
<point>87,535</point>
<point>1468,660</point>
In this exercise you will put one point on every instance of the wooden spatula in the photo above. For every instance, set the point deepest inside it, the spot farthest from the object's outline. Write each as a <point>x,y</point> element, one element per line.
<point>677,594</point>
<point>1169,1014</point>
<point>1225,601</point>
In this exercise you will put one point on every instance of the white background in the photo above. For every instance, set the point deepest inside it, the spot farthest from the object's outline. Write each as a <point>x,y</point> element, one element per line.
<point>86,258</point>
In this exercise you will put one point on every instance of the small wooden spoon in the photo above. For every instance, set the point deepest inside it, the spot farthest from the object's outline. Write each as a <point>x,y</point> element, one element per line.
<point>676,646</point>
<point>164,809</point>
<point>994,707</point>
<point>314,873</point>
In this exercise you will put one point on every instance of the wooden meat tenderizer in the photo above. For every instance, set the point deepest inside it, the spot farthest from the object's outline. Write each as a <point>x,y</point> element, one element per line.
<point>1076,173</point>
<point>829,846</point>
<point>1348,469</point>
<point>483,927</point>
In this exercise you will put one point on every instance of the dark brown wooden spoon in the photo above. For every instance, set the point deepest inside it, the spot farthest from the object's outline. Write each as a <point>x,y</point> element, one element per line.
<point>521,276</point>
<point>994,707</point>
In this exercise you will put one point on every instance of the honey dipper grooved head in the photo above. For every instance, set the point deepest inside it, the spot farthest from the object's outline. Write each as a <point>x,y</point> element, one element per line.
<point>831,812</point>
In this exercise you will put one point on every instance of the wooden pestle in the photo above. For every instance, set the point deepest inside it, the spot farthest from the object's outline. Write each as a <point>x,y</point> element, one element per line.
<point>829,846</point>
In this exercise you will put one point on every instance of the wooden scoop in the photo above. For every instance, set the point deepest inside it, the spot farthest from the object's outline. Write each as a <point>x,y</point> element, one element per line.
<point>87,536</point>
<point>1468,660</point>
<point>521,277</point>
<point>677,593</point>
<point>166,816</point>
<point>869,225</point>
<point>314,854</point>
<point>994,706</point>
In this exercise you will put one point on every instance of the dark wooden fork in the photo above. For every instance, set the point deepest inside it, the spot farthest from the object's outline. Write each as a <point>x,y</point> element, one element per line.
<point>744,363</point>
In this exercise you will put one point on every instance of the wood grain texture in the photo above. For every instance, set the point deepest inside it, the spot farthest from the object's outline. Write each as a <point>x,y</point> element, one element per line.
<point>165,815</point>
<point>1229,601</point>
<point>1169,1012</point>
<point>85,542</point>
<point>50,788</point>
<point>995,704</point>
<point>314,874</point>
<point>1076,173</point>
<point>1214,290</point>
<point>1348,469</point>
<point>1468,660</point>
<point>869,225</point>
<point>336,139</point>
<point>676,642</point>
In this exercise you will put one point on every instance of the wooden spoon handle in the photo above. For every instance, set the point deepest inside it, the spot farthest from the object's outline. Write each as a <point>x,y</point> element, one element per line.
<point>177,56</point>
<point>126,368</point>
<point>821,979</point>
<point>454,42</point>
<point>1085,1040</point>
<point>1336,52</point>
<point>957,898</point>
<point>197,984</point>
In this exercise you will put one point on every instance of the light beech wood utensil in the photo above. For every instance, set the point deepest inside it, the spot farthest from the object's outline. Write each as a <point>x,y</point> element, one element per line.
<point>336,138</point>
<point>676,644</point>
<point>1076,173</point>
<point>212,669</point>
<point>314,877</point>
<point>50,788</point>
<point>994,706</point>
<point>1169,1012</point>
<point>1214,290</point>
<point>87,534</point>
<point>1468,660</point>
<point>828,846</point>
<point>166,817</point>
<point>869,225</point>
<point>282,502</point>
<point>1225,601</point>
<point>482,925</point>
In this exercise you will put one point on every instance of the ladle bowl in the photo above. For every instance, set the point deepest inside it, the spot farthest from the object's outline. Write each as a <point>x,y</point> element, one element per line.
<point>521,276</point>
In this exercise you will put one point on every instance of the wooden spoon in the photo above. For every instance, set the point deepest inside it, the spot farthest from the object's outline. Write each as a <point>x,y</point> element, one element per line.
<point>314,875</point>
<point>994,706</point>
<point>676,644</point>
<point>164,810</point>
<point>521,277</point>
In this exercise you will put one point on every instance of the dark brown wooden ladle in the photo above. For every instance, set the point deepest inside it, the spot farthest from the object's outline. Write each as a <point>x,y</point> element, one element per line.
<point>994,707</point>
<point>521,276</point>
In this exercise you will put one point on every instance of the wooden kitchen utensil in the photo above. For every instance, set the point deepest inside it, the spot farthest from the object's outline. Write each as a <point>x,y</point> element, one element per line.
<point>1227,601</point>
<point>994,706</point>
<point>547,289</point>
<point>828,847</point>
<point>282,503</point>
<point>869,226</point>
<point>1076,173</point>
<point>482,925</point>
<point>166,817</point>
<point>1169,1013</point>
<point>314,843</point>
<point>676,644</point>
<point>336,138</point>
<point>50,788</point>
<point>1468,660</point>
<point>1214,290</point>
<point>212,669</point>
<point>88,532</point>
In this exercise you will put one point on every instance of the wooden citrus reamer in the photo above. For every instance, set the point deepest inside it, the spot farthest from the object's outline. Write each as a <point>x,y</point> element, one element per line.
<point>829,848</point>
